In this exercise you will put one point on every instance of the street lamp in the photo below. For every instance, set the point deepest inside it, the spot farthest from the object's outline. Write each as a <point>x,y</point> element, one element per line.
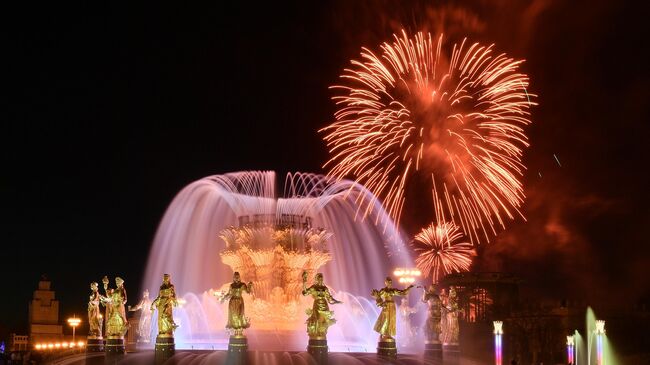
<point>74,322</point>
<point>406,276</point>
<point>570,343</point>
<point>498,332</point>
<point>600,331</point>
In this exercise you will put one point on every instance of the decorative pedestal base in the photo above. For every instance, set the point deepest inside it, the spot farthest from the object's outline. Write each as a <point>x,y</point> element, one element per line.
<point>165,348</point>
<point>317,348</point>
<point>237,350</point>
<point>451,353</point>
<point>114,346</point>
<point>386,348</point>
<point>433,351</point>
<point>95,344</point>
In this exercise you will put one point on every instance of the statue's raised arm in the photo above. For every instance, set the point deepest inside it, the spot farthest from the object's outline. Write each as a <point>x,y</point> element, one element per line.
<point>237,320</point>
<point>320,317</point>
<point>386,322</point>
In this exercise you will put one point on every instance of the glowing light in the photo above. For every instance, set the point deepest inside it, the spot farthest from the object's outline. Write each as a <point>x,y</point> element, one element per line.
<point>74,322</point>
<point>498,327</point>
<point>38,346</point>
<point>600,331</point>
<point>411,109</point>
<point>50,346</point>
<point>406,272</point>
<point>570,343</point>
<point>80,344</point>
<point>406,276</point>
<point>440,253</point>
<point>57,345</point>
<point>498,332</point>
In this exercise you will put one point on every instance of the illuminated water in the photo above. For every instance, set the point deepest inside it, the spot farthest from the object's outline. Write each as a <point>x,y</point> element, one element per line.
<point>365,247</point>
<point>588,349</point>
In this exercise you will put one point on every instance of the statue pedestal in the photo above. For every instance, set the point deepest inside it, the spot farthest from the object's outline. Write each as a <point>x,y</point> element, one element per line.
<point>114,346</point>
<point>94,344</point>
<point>317,348</point>
<point>433,351</point>
<point>451,354</point>
<point>237,350</point>
<point>165,348</point>
<point>386,348</point>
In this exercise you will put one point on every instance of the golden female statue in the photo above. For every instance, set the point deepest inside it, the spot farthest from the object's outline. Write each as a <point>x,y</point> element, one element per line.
<point>386,325</point>
<point>95,320</point>
<point>237,320</point>
<point>432,328</point>
<point>451,335</point>
<point>165,302</point>
<point>116,323</point>
<point>320,317</point>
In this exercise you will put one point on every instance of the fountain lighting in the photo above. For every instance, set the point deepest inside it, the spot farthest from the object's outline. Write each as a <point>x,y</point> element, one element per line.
<point>600,331</point>
<point>498,332</point>
<point>239,222</point>
<point>570,346</point>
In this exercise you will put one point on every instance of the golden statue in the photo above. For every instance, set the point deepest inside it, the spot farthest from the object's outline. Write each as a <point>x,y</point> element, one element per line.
<point>237,320</point>
<point>320,317</point>
<point>116,323</point>
<point>165,301</point>
<point>386,325</point>
<point>95,320</point>
<point>450,335</point>
<point>432,327</point>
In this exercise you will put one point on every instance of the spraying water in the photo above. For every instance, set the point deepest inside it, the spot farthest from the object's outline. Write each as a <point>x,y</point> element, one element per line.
<point>594,348</point>
<point>364,247</point>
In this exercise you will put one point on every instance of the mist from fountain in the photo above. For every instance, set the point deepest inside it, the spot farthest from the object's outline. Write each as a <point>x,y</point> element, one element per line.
<point>364,246</point>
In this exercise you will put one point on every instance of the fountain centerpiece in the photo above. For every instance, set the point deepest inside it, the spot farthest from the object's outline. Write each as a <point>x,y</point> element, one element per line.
<point>237,222</point>
<point>273,257</point>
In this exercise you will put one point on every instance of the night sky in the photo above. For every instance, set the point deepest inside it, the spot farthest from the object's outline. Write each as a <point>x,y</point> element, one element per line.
<point>111,111</point>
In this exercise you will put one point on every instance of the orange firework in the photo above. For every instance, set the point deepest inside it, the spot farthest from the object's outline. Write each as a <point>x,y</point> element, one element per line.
<point>440,253</point>
<point>410,109</point>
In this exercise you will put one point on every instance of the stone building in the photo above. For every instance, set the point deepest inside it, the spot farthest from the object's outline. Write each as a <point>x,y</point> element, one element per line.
<point>44,314</point>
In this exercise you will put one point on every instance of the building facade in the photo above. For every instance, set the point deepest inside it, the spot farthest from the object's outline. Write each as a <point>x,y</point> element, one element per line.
<point>44,323</point>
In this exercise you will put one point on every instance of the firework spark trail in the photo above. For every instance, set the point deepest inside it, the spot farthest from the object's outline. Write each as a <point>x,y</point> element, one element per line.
<point>409,110</point>
<point>440,252</point>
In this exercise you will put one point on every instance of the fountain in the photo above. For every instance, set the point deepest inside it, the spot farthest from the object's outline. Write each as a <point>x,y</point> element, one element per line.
<point>594,348</point>
<point>236,222</point>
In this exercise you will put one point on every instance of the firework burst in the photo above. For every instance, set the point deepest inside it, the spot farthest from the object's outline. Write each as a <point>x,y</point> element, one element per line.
<point>411,109</point>
<point>441,252</point>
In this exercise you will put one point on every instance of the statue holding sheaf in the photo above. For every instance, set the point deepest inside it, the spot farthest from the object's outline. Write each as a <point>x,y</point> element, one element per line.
<point>165,303</point>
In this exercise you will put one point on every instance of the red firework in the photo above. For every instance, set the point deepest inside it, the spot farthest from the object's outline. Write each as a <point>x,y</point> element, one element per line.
<point>459,119</point>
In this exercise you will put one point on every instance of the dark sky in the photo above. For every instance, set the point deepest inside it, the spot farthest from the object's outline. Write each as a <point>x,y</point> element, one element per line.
<point>113,110</point>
